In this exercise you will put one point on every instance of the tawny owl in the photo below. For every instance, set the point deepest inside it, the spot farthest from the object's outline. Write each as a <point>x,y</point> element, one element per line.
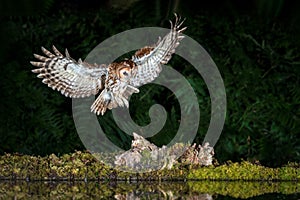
<point>117,81</point>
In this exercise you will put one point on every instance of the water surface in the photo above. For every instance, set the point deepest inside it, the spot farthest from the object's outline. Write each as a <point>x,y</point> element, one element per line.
<point>202,190</point>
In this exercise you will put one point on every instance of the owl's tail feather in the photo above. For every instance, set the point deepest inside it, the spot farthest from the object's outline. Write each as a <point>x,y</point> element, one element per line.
<point>102,102</point>
<point>112,99</point>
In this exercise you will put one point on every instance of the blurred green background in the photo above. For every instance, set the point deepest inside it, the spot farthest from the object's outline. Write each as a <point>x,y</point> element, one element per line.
<point>255,45</point>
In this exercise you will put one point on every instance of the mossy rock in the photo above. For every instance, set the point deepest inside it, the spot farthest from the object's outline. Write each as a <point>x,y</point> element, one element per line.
<point>83,166</point>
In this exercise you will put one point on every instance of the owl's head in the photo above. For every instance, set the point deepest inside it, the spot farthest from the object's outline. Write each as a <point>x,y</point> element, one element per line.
<point>124,70</point>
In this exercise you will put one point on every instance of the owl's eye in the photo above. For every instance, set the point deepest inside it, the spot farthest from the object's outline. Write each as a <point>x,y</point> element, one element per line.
<point>125,72</point>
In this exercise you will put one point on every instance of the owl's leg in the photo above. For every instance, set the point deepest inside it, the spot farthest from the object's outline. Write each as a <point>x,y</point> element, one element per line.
<point>102,102</point>
<point>109,99</point>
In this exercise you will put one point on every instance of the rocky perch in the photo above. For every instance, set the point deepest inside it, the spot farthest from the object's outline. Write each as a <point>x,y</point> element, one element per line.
<point>145,156</point>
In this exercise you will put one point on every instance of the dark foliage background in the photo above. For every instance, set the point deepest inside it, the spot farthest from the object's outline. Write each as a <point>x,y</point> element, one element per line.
<point>255,45</point>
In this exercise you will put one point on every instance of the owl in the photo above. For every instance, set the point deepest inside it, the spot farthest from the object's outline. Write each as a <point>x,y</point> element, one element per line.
<point>117,81</point>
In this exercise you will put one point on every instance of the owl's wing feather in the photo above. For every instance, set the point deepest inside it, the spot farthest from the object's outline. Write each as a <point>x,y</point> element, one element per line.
<point>71,78</point>
<point>149,59</point>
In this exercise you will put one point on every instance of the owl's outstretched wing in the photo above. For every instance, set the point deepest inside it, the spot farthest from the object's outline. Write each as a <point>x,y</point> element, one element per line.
<point>71,78</point>
<point>149,59</point>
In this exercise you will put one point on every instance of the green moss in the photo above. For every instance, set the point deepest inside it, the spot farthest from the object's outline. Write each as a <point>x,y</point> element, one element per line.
<point>245,171</point>
<point>238,180</point>
<point>83,166</point>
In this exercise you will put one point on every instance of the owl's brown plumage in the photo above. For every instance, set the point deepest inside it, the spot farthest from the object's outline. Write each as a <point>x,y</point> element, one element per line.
<point>117,81</point>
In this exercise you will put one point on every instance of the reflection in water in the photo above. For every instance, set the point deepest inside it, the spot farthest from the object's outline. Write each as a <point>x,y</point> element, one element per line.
<point>203,190</point>
<point>137,195</point>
